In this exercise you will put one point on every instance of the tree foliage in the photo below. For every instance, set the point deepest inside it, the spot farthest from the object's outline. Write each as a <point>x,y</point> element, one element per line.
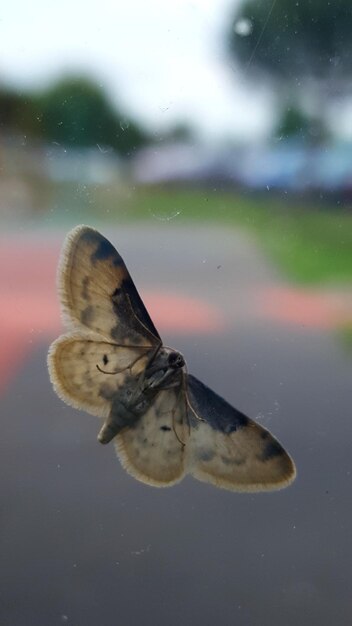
<point>73,112</point>
<point>17,112</point>
<point>295,123</point>
<point>294,39</point>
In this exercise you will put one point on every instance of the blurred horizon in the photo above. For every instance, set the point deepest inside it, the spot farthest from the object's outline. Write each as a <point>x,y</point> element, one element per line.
<point>163,65</point>
<point>162,62</point>
<point>186,93</point>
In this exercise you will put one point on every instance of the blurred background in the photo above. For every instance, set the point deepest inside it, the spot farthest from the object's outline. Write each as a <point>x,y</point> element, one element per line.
<point>211,142</point>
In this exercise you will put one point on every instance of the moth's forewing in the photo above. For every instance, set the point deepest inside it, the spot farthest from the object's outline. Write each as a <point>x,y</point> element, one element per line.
<point>110,329</point>
<point>152,450</point>
<point>97,291</point>
<point>87,372</point>
<point>228,449</point>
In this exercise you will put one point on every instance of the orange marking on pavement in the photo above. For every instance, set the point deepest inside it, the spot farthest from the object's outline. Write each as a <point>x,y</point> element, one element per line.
<point>30,311</point>
<point>321,310</point>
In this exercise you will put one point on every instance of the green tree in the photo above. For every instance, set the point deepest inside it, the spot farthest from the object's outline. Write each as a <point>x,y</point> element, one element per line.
<point>77,112</point>
<point>303,46</point>
<point>292,40</point>
<point>17,112</point>
<point>295,123</point>
<point>73,112</point>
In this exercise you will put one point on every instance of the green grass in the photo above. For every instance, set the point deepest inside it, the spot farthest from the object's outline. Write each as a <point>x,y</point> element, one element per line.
<point>345,335</point>
<point>310,244</point>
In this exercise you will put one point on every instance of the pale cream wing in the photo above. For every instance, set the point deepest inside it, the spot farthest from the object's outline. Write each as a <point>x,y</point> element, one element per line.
<point>86,372</point>
<point>97,291</point>
<point>228,449</point>
<point>153,449</point>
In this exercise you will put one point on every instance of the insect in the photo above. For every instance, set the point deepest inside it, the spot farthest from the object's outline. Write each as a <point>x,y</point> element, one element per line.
<point>163,422</point>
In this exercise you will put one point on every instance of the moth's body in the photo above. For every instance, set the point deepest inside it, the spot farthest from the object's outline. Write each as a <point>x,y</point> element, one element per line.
<point>136,396</point>
<point>163,421</point>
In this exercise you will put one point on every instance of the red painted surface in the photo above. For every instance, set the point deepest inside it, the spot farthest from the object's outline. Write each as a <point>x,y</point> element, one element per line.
<point>310,308</point>
<point>29,307</point>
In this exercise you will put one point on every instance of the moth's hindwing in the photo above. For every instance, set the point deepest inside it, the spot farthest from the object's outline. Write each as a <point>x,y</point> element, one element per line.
<point>228,449</point>
<point>152,450</point>
<point>79,367</point>
<point>98,293</point>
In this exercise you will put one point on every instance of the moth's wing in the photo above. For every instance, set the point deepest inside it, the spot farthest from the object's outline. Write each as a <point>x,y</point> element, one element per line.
<point>97,291</point>
<point>73,361</point>
<point>152,449</point>
<point>228,449</point>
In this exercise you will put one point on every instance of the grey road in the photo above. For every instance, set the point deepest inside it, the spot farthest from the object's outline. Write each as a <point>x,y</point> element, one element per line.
<point>83,543</point>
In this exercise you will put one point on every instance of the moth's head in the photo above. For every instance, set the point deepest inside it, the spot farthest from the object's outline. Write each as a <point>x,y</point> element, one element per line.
<point>175,360</point>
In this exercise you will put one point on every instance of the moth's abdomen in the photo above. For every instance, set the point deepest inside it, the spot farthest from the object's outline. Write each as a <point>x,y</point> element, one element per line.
<point>120,417</point>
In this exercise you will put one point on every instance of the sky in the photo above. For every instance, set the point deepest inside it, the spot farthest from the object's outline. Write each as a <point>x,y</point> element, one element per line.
<point>162,61</point>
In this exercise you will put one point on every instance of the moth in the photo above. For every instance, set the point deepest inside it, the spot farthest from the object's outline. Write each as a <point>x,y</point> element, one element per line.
<point>163,422</point>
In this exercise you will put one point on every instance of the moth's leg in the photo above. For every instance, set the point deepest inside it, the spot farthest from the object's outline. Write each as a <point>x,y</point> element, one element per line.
<point>198,417</point>
<point>173,410</point>
<point>189,406</point>
<point>181,399</point>
<point>183,443</point>
<point>151,358</point>
<point>169,386</point>
<point>168,373</point>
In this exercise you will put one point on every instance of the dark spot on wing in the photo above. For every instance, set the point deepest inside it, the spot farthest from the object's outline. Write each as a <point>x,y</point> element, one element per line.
<point>205,454</point>
<point>87,315</point>
<point>231,427</point>
<point>165,428</point>
<point>233,460</point>
<point>87,379</point>
<point>118,261</point>
<point>129,300</point>
<point>105,251</point>
<point>85,285</point>
<point>135,302</point>
<point>106,391</point>
<point>131,315</point>
<point>264,434</point>
<point>105,359</point>
<point>271,450</point>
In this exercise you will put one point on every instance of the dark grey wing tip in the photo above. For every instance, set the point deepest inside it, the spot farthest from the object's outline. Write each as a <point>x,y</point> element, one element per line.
<point>105,251</point>
<point>212,408</point>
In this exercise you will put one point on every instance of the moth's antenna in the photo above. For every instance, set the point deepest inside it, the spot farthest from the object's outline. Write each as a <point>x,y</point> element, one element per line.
<point>115,372</point>
<point>201,419</point>
<point>187,400</point>
<point>198,417</point>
